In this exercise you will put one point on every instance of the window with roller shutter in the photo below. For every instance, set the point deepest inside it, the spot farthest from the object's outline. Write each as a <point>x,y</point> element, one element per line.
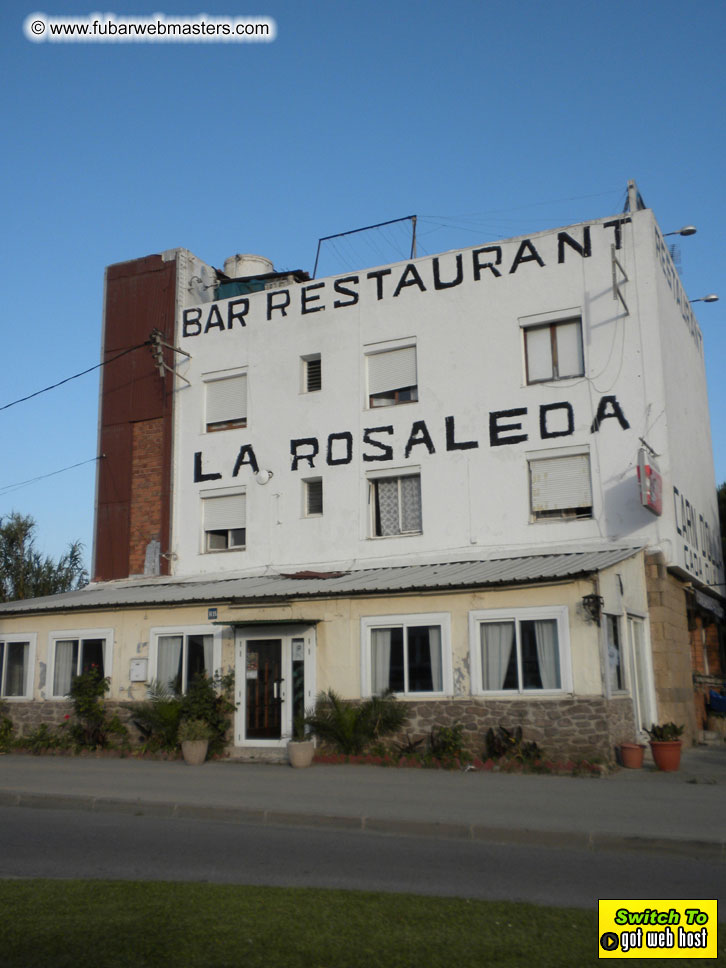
<point>560,487</point>
<point>392,377</point>
<point>226,402</point>
<point>225,522</point>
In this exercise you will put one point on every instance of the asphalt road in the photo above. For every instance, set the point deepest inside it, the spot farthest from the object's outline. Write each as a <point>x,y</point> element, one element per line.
<point>77,844</point>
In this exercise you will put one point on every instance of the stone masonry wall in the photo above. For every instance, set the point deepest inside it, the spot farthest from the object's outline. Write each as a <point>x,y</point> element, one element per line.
<point>28,716</point>
<point>563,728</point>
<point>671,646</point>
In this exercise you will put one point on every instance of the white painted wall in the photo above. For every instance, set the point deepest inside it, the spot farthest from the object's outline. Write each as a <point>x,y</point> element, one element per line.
<point>470,363</point>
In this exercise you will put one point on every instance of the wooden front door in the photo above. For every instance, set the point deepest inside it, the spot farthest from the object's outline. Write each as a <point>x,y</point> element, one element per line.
<point>265,688</point>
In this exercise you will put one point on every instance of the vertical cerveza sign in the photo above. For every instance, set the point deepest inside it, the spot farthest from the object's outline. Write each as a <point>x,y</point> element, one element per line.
<point>651,482</point>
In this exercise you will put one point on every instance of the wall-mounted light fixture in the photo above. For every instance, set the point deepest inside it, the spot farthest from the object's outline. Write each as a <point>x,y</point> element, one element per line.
<point>711,297</point>
<point>593,604</point>
<point>264,477</point>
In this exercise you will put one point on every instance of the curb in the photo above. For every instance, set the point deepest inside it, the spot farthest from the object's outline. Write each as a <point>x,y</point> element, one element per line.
<point>713,850</point>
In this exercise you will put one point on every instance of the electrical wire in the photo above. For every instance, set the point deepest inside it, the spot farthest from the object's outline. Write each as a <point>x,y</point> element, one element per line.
<point>7,488</point>
<point>75,376</point>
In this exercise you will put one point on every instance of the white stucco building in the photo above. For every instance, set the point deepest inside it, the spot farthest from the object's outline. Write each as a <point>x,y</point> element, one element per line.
<point>483,479</point>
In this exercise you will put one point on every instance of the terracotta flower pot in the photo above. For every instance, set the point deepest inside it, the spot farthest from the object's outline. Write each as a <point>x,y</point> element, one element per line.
<point>194,751</point>
<point>631,755</point>
<point>300,753</point>
<point>667,755</point>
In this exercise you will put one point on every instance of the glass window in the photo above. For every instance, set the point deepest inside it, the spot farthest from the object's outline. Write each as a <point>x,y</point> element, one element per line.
<point>226,402</point>
<point>560,487</point>
<point>405,658</point>
<point>14,660</point>
<point>396,505</point>
<point>75,653</point>
<point>518,652</point>
<point>225,522</point>
<point>180,658</point>
<point>554,351</point>
<point>392,377</point>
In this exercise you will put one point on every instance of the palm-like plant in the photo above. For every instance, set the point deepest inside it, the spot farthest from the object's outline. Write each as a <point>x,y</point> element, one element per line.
<point>350,727</point>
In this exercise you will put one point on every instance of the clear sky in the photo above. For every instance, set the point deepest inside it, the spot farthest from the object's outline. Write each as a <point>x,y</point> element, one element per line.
<point>485,120</point>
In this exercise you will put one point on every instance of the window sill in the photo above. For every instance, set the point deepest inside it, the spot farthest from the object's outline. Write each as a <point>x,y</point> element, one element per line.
<point>405,534</point>
<point>526,696</point>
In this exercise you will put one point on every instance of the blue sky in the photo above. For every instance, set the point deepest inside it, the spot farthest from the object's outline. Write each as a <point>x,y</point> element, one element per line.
<point>485,120</point>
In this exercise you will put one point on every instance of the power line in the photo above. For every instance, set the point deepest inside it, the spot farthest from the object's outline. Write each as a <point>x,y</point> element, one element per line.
<point>75,376</point>
<point>7,488</point>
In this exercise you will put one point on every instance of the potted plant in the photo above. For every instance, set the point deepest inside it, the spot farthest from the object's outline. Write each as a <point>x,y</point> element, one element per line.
<point>631,755</point>
<point>194,736</point>
<point>301,747</point>
<point>665,744</point>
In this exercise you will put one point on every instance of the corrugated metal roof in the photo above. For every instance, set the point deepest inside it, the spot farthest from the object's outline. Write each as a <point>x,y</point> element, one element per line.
<point>424,577</point>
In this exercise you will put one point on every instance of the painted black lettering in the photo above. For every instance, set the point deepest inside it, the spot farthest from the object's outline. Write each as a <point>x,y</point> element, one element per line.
<point>378,275</point>
<point>295,445</point>
<point>520,257</point>
<point>419,435</point>
<point>438,284</point>
<point>281,305</point>
<point>307,299</point>
<point>415,279</point>
<point>191,325</point>
<point>239,314</point>
<point>348,456</point>
<point>344,291</point>
<point>676,502</point>
<point>199,475</point>
<point>497,430</point>
<point>616,224</point>
<point>214,320</point>
<point>451,442</point>
<point>386,449</point>
<point>544,431</point>
<point>246,456</point>
<point>608,407</point>
<point>479,266</point>
<point>585,250</point>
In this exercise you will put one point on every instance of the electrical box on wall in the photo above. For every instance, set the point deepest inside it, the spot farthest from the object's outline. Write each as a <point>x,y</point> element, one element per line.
<point>138,670</point>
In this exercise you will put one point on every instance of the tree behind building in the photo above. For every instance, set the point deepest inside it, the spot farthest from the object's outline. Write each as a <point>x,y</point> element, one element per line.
<point>25,572</point>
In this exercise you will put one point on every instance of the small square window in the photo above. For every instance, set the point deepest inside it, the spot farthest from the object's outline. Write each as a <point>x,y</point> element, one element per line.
<point>225,522</point>
<point>396,505</point>
<point>313,497</point>
<point>226,403</point>
<point>312,373</point>
<point>554,351</point>
<point>560,487</point>
<point>180,658</point>
<point>392,377</point>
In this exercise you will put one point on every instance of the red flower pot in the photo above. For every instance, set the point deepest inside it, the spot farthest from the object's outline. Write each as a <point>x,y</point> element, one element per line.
<point>631,755</point>
<point>667,755</point>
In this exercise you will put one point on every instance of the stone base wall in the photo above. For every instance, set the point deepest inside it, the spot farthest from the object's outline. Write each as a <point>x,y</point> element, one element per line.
<point>563,728</point>
<point>28,716</point>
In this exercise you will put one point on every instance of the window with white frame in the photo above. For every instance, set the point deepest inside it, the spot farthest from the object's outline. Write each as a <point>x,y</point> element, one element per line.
<point>75,653</point>
<point>395,505</point>
<point>225,521</point>
<point>392,377</point>
<point>179,655</point>
<point>616,664</point>
<point>15,667</point>
<point>553,351</point>
<point>520,651</point>
<point>406,654</point>
<point>312,373</point>
<point>313,497</point>
<point>226,402</point>
<point>560,487</point>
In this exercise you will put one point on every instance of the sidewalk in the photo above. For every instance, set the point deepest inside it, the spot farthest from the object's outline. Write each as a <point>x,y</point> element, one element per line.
<point>630,809</point>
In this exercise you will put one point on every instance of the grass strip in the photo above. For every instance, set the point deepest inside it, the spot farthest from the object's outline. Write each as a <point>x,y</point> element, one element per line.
<point>114,924</point>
